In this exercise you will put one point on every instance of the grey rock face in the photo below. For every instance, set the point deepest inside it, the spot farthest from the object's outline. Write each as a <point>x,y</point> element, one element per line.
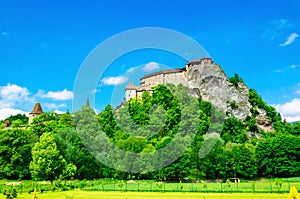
<point>208,81</point>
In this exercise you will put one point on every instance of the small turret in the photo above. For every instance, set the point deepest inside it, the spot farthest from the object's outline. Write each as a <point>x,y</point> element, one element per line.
<point>36,111</point>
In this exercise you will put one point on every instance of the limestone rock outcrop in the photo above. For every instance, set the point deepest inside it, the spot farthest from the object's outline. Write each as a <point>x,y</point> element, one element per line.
<point>208,81</point>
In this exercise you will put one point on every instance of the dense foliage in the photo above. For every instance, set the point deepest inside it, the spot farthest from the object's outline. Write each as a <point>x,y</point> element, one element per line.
<point>235,80</point>
<point>54,146</point>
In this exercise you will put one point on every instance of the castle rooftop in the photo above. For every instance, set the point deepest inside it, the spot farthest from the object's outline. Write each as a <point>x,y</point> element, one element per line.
<point>176,70</point>
<point>37,109</point>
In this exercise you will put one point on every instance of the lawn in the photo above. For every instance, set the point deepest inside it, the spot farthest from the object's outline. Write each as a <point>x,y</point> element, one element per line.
<point>147,195</point>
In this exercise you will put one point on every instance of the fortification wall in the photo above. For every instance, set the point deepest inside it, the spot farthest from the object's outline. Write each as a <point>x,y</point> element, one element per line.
<point>165,78</point>
<point>153,80</point>
<point>176,78</point>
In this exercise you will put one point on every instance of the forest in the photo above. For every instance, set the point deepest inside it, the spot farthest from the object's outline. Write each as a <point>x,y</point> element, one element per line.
<point>71,145</point>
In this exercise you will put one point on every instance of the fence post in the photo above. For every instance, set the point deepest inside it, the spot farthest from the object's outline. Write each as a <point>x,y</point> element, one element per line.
<point>221,188</point>
<point>271,187</point>
<point>288,186</point>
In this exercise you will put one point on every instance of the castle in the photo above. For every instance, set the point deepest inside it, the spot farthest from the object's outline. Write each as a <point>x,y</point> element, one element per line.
<point>173,76</point>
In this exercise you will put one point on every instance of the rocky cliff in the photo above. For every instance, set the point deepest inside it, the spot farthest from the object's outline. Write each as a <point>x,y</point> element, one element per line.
<point>208,81</point>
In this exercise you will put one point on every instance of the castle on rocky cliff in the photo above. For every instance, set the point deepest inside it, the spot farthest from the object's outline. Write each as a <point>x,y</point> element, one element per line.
<point>205,80</point>
<point>173,76</point>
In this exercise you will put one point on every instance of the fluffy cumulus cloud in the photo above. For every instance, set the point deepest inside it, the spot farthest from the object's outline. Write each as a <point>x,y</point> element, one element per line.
<point>15,99</point>
<point>290,39</point>
<point>151,66</point>
<point>290,110</point>
<point>114,80</point>
<point>6,112</point>
<point>59,95</point>
<point>12,95</point>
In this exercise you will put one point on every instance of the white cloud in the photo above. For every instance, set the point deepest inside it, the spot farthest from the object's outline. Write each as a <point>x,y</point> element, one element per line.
<point>297,89</point>
<point>114,80</point>
<point>12,94</point>
<point>293,66</point>
<point>54,106</point>
<point>59,112</point>
<point>275,28</point>
<point>132,69</point>
<point>59,95</point>
<point>96,90</point>
<point>151,66</point>
<point>290,39</point>
<point>4,34</point>
<point>6,112</point>
<point>290,110</point>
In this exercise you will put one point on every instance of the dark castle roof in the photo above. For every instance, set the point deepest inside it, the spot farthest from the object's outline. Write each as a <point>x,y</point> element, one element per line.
<point>37,109</point>
<point>177,70</point>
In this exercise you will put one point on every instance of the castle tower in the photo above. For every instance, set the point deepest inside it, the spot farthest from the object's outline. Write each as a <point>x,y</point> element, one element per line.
<point>36,111</point>
<point>130,92</point>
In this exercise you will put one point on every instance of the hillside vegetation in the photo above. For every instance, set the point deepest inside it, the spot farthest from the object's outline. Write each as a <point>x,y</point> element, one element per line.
<point>53,147</point>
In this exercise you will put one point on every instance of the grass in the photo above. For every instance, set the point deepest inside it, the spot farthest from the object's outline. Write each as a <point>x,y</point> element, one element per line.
<point>266,186</point>
<point>244,187</point>
<point>147,195</point>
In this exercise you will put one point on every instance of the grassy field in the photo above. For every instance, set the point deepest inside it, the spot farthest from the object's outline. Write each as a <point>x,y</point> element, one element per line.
<point>147,195</point>
<point>265,186</point>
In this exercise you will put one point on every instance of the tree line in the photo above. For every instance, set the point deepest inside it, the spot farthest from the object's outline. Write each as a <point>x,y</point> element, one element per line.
<point>64,146</point>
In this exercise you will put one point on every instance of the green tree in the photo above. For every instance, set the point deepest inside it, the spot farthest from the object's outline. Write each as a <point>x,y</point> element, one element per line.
<point>296,129</point>
<point>163,96</point>
<point>235,80</point>
<point>256,100</point>
<point>107,121</point>
<point>212,166</point>
<point>22,117</point>
<point>46,122</point>
<point>17,123</point>
<point>241,160</point>
<point>74,151</point>
<point>234,131</point>
<point>68,172</point>
<point>279,156</point>
<point>47,162</point>
<point>15,153</point>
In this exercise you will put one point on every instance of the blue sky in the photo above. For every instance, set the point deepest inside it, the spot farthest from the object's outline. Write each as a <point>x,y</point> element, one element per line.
<point>44,43</point>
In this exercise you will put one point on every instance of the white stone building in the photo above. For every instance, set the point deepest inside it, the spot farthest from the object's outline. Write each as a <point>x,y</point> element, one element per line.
<point>173,76</point>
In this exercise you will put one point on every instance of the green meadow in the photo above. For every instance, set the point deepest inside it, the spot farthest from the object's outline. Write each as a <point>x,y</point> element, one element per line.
<point>149,195</point>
